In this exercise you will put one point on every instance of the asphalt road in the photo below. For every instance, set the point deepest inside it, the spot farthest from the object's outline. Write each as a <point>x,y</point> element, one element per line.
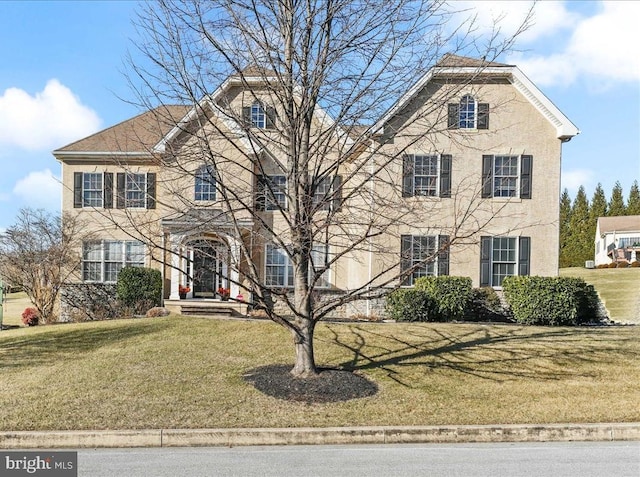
<point>553,459</point>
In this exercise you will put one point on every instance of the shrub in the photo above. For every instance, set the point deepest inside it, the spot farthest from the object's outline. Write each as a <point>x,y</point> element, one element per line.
<point>485,305</point>
<point>554,301</point>
<point>139,288</point>
<point>635,264</point>
<point>622,265</point>
<point>30,317</point>
<point>451,295</point>
<point>410,305</point>
<point>613,265</point>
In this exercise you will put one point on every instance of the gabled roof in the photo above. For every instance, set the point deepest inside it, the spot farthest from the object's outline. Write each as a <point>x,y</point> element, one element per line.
<point>619,223</point>
<point>135,136</point>
<point>453,65</point>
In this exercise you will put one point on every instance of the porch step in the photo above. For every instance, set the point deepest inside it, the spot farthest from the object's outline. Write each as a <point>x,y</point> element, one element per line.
<point>199,310</point>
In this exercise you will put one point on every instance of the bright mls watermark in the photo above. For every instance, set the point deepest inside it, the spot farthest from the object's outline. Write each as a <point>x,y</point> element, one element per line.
<point>50,464</point>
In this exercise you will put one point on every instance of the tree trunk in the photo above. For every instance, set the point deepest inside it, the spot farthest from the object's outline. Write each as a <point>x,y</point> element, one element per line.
<point>305,362</point>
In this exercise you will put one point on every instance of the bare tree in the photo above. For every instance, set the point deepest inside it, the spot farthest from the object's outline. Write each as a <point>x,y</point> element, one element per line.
<point>38,254</point>
<point>325,72</point>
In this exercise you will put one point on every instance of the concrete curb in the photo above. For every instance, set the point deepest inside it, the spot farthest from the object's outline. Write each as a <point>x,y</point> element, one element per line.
<point>319,436</point>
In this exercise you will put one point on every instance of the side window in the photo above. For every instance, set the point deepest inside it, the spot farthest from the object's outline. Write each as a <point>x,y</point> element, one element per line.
<point>103,260</point>
<point>423,255</point>
<point>468,114</point>
<point>259,116</point>
<point>507,176</point>
<point>93,189</point>
<point>271,193</point>
<point>426,175</point>
<point>136,190</point>
<point>502,257</point>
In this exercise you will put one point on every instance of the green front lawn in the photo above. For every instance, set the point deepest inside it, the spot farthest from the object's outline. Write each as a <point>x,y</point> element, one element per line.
<point>182,372</point>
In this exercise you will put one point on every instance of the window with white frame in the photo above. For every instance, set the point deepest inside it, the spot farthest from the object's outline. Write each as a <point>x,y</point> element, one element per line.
<point>502,257</point>
<point>418,257</point>
<point>135,191</point>
<point>629,242</point>
<point>205,183</point>
<point>92,189</point>
<point>279,268</point>
<point>258,116</point>
<point>427,175</point>
<point>507,176</point>
<point>103,260</point>
<point>467,119</point>
<point>272,193</point>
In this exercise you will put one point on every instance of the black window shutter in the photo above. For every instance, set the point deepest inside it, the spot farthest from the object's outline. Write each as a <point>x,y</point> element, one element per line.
<point>405,257</point>
<point>270,117</point>
<point>336,190</point>
<point>487,176</point>
<point>483,116</point>
<point>408,164</point>
<point>485,261</point>
<point>524,255</point>
<point>453,113</point>
<point>445,175</point>
<point>77,190</point>
<point>246,115</point>
<point>261,190</point>
<point>443,255</point>
<point>108,190</point>
<point>120,190</point>
<point>151,190</point>
<point>526,167</point>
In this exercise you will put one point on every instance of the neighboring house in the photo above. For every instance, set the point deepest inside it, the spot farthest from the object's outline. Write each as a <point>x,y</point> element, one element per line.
<point>496,159</point>
<point>617,239</point>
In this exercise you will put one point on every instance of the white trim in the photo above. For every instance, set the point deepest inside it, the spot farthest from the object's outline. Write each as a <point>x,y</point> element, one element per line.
<point>565,129</point>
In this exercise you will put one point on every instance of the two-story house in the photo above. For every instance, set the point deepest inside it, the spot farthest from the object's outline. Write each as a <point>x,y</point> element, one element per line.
<point>467,184</point>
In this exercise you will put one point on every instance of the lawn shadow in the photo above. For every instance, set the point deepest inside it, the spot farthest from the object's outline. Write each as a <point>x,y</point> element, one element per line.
<point>496,352</point>
<point>55,342</point>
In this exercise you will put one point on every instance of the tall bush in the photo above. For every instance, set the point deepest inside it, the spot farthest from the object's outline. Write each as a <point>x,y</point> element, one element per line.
<point>451,295</point>
<point>408,304</point>
<point>139,288</point>
<point>558,301</point>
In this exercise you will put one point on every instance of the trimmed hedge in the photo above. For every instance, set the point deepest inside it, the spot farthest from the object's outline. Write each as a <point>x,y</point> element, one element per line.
<point>556,301</point>
<point>433,299</point>
<point>451,295</point>
<point>408,304</point>
<point>139,288</point>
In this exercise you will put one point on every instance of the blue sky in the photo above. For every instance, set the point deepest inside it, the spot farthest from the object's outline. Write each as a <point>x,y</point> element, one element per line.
<point>61,79</point>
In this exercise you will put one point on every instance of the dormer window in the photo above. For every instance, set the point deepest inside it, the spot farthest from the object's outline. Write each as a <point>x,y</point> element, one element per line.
<point>259,116</point>
<point>468,114</point>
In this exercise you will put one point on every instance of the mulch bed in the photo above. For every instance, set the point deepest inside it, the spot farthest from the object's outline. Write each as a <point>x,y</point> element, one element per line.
<point>330,385</point>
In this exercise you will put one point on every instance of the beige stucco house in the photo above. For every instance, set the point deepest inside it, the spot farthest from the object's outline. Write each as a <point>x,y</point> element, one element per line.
<point>468,181</point>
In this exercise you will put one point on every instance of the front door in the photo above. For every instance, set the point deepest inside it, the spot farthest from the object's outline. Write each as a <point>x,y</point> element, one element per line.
<point>209,268</point>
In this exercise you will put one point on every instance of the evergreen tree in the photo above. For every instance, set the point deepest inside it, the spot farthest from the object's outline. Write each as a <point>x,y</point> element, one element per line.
<point>616,204</point>
<point>579,238</point>
<point>598,204</point>
<point>565,216</point>
<point>633,204</point>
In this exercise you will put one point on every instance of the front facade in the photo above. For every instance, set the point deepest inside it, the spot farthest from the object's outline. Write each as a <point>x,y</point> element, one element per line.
<point>478,197</point>
<point>617,240</point>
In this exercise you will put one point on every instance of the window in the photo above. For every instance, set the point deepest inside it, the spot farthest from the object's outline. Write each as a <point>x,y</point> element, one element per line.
<point>328,194</point>
<point>507,176</point>
<point>279,269</point>
<point>103,260</point>
<point>502,257</point>
<point>136,190</point>
<point>92,189</point>
<point>422,256</point>
<point>205,183</point>
<point>468,114</point>
<point>628,242</point>
<point>259,116</point>
<point>426,175</point>
<point>272,193</point>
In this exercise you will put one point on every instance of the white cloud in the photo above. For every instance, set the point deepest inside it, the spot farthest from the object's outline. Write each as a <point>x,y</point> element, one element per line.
<point>573,179</point>
<point>600,50</point>
<point>548,17</point>
<point>49,119</point>
<point>40,189</point>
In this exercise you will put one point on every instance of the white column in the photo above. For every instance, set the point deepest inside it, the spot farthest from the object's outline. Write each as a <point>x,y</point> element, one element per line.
<point>176,265</point>
<point>234,275</point>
